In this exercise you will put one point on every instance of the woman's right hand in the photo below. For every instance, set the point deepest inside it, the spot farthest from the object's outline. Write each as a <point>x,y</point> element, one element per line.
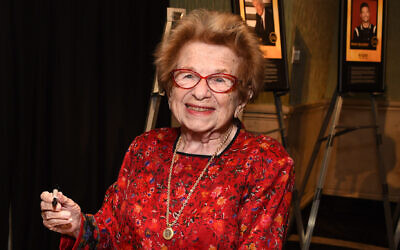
<point>64,218</point>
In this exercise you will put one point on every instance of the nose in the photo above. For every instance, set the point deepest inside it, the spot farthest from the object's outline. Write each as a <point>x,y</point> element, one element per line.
<point>201,90</point>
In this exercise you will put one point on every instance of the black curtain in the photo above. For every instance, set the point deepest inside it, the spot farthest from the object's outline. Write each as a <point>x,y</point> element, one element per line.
<point>76,77</point>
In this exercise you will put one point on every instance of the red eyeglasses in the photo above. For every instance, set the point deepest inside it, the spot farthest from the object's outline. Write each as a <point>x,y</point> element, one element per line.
<point>218,82</point>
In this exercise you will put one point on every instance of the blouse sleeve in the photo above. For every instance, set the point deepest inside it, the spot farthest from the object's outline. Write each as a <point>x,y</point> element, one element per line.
<point>266,200</point>
<point>100,230</point>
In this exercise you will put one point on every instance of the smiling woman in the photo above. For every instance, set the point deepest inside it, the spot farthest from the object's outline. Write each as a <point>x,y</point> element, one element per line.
<point>200,109</point>
<point>207,184</point>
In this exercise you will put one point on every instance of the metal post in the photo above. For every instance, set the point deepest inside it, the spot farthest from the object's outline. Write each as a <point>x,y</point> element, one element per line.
<point>397,235</point>
<point>382,174</point>
<point>396,217</point>
<point>297,194</point>
<point>296,208</point>
<point>152,114</point>
<point>278,106</point>
<point>318,143</point>
<point>173,14</point>
<point>323,170</point>
<point>297,214</point>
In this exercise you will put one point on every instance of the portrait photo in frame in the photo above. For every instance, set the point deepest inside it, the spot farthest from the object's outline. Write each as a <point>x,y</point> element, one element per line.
<point>364,30</point>
<point>266,19</point>
<point>262,16</point>
<point>362,46</point>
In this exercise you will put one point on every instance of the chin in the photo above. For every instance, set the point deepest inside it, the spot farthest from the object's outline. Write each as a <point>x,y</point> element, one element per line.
<point>198,127</point>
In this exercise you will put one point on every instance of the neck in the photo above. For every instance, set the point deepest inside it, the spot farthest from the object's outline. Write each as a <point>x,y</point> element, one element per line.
<point>365,25</point>
<point>205,143</point>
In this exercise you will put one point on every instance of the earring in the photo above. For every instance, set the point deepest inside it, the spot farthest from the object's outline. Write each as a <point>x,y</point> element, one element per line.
<point>238,111</point>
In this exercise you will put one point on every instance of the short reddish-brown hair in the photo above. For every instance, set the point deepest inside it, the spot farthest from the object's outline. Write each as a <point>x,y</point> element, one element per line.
<point>214,28</point>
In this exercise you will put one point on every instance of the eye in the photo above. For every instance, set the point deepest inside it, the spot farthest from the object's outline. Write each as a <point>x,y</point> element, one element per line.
<point>182,76</point>
<point>219,79</point>
<point>188,75</point>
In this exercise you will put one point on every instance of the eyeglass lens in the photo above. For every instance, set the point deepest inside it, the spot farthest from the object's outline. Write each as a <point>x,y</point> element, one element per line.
<point>217,82</point>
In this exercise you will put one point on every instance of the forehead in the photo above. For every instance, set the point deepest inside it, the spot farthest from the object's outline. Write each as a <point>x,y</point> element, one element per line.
<point>365,8</point>
<point>207,58</point>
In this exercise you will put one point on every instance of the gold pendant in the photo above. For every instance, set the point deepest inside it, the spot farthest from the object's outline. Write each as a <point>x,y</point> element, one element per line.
<point>168,233</point>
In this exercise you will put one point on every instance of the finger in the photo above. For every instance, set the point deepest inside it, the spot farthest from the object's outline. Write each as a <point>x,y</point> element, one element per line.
<point>64,226</point>
<point>65,201</point>
<point>46,206</point>
<point>55,229</point>
<point>55,192</point>
<point>61,228</point>
<point>46,196</point>
<point>64,215</point>
<point>55,223</point>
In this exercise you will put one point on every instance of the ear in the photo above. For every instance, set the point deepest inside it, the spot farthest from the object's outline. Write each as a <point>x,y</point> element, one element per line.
<point>250,94</point>
<point>239,110</point>
<point>169,96</point>
<point>169,101</point>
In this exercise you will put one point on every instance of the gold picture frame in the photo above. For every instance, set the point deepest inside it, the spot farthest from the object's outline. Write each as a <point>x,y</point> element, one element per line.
<point>271,42</point>
<point>364,50</point>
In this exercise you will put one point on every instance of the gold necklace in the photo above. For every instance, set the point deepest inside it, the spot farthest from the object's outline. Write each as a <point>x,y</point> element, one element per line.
<point>168,232</point>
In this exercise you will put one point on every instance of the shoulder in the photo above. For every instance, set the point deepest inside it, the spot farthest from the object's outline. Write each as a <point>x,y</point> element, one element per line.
<point>261,144</point>
<point>154,137</point>
<point>356,30</point>
<point>267,158</point>
<point>263,150</point>
<point>146,146</point>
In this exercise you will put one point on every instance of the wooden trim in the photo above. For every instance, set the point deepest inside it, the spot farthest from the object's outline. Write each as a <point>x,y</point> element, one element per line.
<point>266,108</point>
<point>349,102</point>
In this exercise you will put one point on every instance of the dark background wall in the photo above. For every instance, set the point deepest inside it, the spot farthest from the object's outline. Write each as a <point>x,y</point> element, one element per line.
<point>220,5</point>
<point>75,82</point>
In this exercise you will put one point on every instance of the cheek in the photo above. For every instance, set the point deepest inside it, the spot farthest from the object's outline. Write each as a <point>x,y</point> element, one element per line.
<point>172,101</point>
<point>232,104</point>
<point>175,97</point>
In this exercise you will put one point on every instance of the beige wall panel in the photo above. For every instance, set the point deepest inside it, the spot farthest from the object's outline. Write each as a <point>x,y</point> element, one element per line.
<point>262,119</point>
<point>304,127</point>
<point>355,168</point>
<point>352,168</point>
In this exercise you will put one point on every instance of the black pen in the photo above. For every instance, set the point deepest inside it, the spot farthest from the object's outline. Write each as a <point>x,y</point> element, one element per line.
<point>55,201</point>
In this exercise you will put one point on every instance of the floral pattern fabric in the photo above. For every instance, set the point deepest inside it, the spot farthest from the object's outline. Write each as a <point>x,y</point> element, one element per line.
<point>242,201</point>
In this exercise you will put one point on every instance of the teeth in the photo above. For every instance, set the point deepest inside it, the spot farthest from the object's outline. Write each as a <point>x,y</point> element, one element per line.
<point>198,108</point>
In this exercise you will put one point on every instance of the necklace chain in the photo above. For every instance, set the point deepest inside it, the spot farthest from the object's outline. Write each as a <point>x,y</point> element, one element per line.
<point>170,225</point>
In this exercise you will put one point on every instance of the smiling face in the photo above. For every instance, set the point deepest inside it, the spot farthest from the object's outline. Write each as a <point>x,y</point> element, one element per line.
<point>199,109</point>
<point>364,14</point>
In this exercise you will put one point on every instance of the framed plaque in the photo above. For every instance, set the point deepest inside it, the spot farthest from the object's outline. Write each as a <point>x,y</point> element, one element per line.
<point>362,46</point>
<point>265,18</point>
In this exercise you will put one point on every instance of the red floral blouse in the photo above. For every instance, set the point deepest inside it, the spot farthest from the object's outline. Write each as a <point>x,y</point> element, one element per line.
<point>242,201</point>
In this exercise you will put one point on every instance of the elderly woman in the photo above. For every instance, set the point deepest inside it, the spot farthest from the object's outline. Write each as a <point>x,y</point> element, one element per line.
<point>208,184</point>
